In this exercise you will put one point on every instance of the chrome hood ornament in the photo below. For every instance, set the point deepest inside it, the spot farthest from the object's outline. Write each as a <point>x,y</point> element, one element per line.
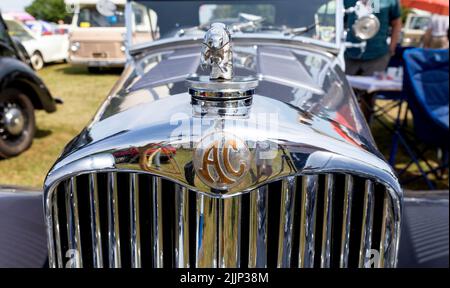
<point>217,53</point>
<point>222,93</point>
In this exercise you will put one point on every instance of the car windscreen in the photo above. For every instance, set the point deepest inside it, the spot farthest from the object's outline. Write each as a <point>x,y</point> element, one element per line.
<point>90,17</point>
<point>314,19</point>
<point>16,30</point>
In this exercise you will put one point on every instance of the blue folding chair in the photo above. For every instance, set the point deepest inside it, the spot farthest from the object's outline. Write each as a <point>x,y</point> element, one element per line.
<point>426,88</point>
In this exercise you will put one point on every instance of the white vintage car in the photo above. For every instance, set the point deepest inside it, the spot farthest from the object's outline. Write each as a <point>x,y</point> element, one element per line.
<point>42,49</point>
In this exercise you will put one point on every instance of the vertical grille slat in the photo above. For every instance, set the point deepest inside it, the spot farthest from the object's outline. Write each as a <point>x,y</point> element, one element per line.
<point>229,232</point>
<point>366,230</point>
<point>73,225</point>
<point>286,221</point>
<point>307,224</point>
<point>345,242</point>
<point>325,258</point>
<point>157,226</point>
<point>258,228</point>
<point>181,227</point>
<point>135,223</point>
<point>113,222</point>
<point>57,232</point>
<point>206,240</point>
<point>95,222</point>
<point>386,245</point>
<point>124,219</point>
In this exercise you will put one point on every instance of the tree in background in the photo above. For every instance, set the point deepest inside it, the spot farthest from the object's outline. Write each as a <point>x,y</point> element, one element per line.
<point>48,10</point>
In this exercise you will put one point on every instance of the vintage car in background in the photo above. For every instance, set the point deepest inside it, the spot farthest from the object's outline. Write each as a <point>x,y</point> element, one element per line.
<point>271,161</point>
<point>21,92</point>
<point>415,27</point>
<point>97,37</point>
<point>42,48</point>
<point>44,28</point>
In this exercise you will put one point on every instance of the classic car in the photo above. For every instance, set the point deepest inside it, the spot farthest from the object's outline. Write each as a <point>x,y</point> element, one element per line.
<point>97,37</point>
<point>416,25</point>
<point>41,48</point>
<point>21,92</point>
<point>275,165</point>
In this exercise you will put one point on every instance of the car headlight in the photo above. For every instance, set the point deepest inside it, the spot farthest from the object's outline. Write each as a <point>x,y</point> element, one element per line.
<point>75,46</point>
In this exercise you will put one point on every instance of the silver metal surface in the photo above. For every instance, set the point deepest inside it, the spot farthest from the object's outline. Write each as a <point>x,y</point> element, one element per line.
<point>239,84</point>
<point>288,187</point>
<point>308,221</point>
<point>113,223</point>
<point>229,230</point>
<point>73,225</point>
<point>206,234</point>
<point>258,228</point>
<point>366,27</point>
<point>14,121</point>
<point>217,53</point>
<point>181,227</point>
<point>345,242</point>
<point>219,222</point>
<point>388,241</point>
<point>95,221</point>
<point>157,226</point>
<point>135,223</point>
<point>366,229</point>
<point>56,224</point>
<point>327,225</point>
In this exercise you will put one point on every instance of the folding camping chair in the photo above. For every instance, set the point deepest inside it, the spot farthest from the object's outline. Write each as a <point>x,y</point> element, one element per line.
<point>426,88</point>
<point>396,97</point>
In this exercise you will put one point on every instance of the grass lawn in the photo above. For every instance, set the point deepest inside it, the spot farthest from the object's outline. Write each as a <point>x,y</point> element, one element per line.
<point>82,94</point>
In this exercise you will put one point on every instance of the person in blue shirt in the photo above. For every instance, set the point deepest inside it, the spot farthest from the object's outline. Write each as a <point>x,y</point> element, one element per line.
<point>378,52</point>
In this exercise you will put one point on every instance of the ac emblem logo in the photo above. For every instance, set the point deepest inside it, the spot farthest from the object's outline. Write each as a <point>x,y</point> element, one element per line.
<point>221,160</point>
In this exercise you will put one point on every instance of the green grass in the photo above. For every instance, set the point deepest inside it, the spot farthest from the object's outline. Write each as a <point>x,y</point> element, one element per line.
<point>82,94</point>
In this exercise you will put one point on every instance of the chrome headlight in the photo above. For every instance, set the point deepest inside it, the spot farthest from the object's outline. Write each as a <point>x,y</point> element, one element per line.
<point>75,46</point>
<point>366,27</point>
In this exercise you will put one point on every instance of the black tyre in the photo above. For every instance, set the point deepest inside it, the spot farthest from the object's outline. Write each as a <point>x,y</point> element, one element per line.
<point>17,123</point>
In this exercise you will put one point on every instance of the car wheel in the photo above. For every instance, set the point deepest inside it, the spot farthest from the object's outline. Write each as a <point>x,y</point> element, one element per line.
<point>37,61</point>
<point>17,123</point>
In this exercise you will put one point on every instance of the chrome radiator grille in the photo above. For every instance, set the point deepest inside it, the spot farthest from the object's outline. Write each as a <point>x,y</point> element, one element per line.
<point>119,219</point>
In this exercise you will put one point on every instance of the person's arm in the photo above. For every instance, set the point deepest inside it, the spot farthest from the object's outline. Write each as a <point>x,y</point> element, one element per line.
<point>395,37</point>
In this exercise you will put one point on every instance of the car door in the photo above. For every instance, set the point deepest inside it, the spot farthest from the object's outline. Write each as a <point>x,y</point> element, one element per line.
<point>55,45</point>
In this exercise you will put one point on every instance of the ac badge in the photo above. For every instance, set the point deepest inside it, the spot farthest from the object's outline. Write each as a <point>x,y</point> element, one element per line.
<point>221,160</point>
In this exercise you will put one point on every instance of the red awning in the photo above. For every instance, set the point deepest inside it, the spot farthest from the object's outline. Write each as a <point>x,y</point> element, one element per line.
<point>433,6</point>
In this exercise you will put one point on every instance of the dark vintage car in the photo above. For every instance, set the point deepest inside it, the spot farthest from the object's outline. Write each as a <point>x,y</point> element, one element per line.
<point>21,92</point>
<point>274,167</point>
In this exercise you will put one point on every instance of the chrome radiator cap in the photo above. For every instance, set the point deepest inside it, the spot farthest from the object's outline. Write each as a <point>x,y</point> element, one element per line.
<point>220,94</point>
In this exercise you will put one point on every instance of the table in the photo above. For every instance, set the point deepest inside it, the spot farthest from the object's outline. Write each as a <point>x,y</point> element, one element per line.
<point>371,84</point>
